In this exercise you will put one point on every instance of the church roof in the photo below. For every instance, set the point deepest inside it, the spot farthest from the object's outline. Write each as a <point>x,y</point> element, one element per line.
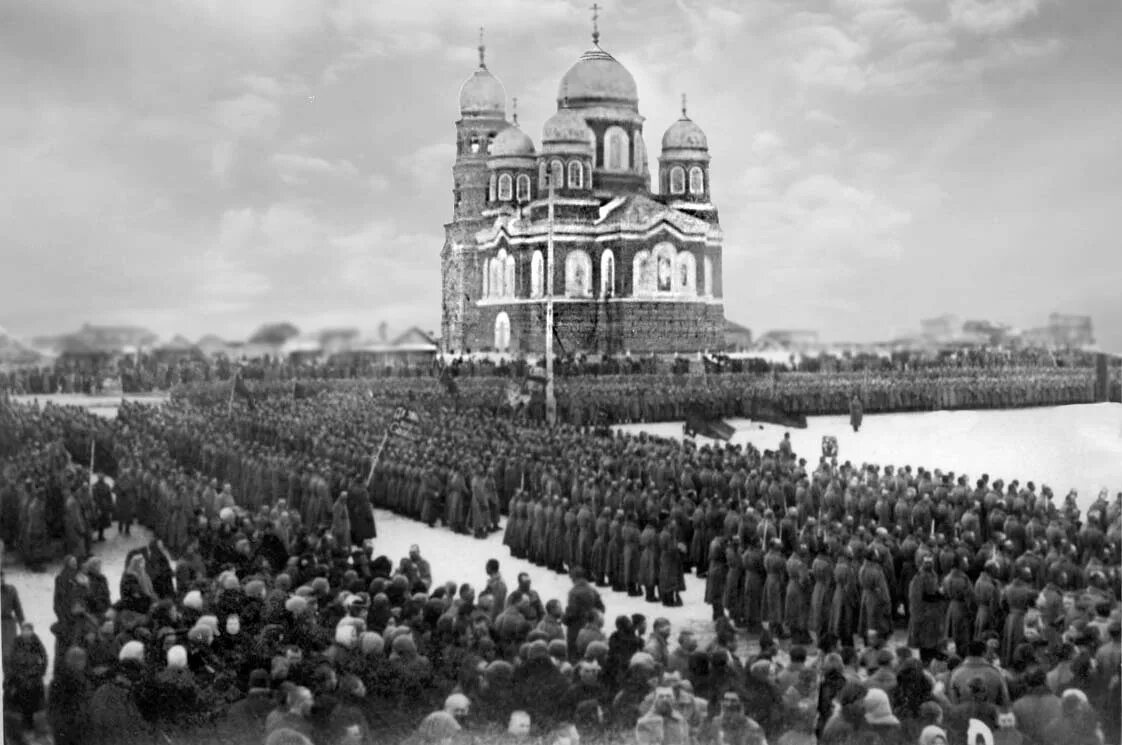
<point>634,213</point>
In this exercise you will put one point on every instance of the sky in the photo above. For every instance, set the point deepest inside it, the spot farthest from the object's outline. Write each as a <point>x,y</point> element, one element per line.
<point>198,166</point>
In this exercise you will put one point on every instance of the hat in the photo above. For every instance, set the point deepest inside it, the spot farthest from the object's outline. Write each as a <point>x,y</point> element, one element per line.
<point>177,658</point>
<point>557,648</point>
<point>877,708</point>
<point>259,678</point>
<point>371,643</point>
<point>133,650</point>
<point>209,620</point>
<point>296,605</point>
<point>226,515</point>
<point>193,600</point>
<point>539,650</point>
<point>201,635</point>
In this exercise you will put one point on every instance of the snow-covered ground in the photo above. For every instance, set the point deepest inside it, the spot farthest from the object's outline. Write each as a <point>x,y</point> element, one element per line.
<point>1065,447</point>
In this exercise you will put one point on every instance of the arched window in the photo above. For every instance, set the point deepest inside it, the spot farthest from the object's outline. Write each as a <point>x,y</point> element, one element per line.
<point>473,145</point>
<point>707,263</point>
<point>642,274</point>
<point>543,172</point>
<point>697,181</point>
<point>640,156</point>
<point>664,257</point>
<point>494,278</point>
<point>616,149</point>
<point>523,188</point>
<point>685,274</point>
<point>537,275</point>
<point>504,187</point>
<point>508,277</point>
<point>588,175</point>
<point>607,274</point>
<point>490,141</point>
<point>677,180</point>
<point>557,174</point>
<point>486,278</point>
<point>502,332</point>
<point>576,175</point>
<point>491,190</point>
<point>578,274</point>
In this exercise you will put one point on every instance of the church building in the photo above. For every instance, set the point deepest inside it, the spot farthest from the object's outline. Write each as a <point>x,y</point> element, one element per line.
<point>635,269</point>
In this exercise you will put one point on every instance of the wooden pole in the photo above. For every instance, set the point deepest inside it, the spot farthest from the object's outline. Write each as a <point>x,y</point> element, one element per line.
<point>377,457</point>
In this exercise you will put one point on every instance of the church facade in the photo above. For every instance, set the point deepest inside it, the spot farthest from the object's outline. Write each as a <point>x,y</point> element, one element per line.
<point>635,269</point>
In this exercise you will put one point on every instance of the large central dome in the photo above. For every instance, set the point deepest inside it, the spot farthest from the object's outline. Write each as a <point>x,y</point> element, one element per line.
<point>598,78</point>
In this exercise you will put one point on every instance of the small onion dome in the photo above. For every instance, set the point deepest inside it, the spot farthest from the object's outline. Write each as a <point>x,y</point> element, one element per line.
<point>512,141</point>
<point>483,95</point>
<point>567,127</point>
<point>598,78</point>
<point>684,134</point>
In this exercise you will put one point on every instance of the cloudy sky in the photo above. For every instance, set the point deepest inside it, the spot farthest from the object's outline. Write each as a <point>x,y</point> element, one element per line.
<point>208,165</point>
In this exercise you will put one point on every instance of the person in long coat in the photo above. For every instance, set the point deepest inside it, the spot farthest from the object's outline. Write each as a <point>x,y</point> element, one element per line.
<point>775,566</point>
<point>925,610</point>
<point>876,602</point>
<point>796,603</point>
<point>457,494</point>
<point>68,702</point>
<point>631,552</point>
<point>960,606</point>
<point>648,562</point>
<point>75,529</point>
<point>987,596</point>
<point>856,412</point>
<point>613,554</point>
<point>716,577</point>
<point>754,574</point>
<point>1019,595</point>
<point>363,527</point>
<point>598,555</point>
<point>822,594</point>
<point>733,600</point>
<point>341,522</point>
<point>670,577</point>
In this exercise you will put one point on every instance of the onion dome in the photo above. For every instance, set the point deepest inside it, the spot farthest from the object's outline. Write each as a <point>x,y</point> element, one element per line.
<point>598,79</point>
<point>512,141</point>
<point>567,127</point>
<point>482,95</point>
<point>684,138</point>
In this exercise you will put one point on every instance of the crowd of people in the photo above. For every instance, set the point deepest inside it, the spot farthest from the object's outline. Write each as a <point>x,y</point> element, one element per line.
<point>261,606</point>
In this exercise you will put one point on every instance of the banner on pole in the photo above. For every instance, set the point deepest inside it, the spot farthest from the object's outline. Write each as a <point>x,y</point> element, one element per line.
<point>829,446</point>
<point>406,424</point>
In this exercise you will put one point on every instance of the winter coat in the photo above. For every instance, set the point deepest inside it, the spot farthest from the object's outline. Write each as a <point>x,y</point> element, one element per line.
<point>115,716</point>
<point>341,523</point>
<point>648,557</point>
<point>925,611</point>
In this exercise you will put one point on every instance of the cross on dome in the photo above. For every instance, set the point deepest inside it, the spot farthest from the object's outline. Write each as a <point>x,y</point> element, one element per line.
<point>514,109</point>
<point>595,24</point>
<point>684,115</point>
<point>482,49</point>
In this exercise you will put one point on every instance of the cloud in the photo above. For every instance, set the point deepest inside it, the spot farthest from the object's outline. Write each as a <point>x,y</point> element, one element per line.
<point>430,165</point>
<point>991,16</point>
<point>294,168</point>
<point>248,115</point>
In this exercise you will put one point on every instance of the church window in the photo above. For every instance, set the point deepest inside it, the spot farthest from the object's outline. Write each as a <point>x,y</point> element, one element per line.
<point>707,263</point>
<point>508,276</point>
<point>665,260</point>
<point>537,275</point>
<point>640,155</point>
<point>697,181</point>
<point>685,281</point>
<point>616,149</point>
<point>490,141</point>
<point>487,278</point>
<point>502,332</point>
<point>557,174</point>
<point>595,155</point>
<point>543,177</point>
<point>642,274</point>
<point>677,180</point>
<point>474,144</point>
<point>576,175</point>
<point>523,188</point>
<point>504,187</point>
<point>588,175</point>
<point>491,191</point>
<point>607,273</point>
<point>495,278</point>
<point>578,274</point>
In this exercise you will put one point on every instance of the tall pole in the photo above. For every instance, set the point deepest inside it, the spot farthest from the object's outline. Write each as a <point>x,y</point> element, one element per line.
<point>550,400</point>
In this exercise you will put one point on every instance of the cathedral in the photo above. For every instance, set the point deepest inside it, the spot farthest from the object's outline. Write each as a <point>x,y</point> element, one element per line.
<point>634,269</point>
